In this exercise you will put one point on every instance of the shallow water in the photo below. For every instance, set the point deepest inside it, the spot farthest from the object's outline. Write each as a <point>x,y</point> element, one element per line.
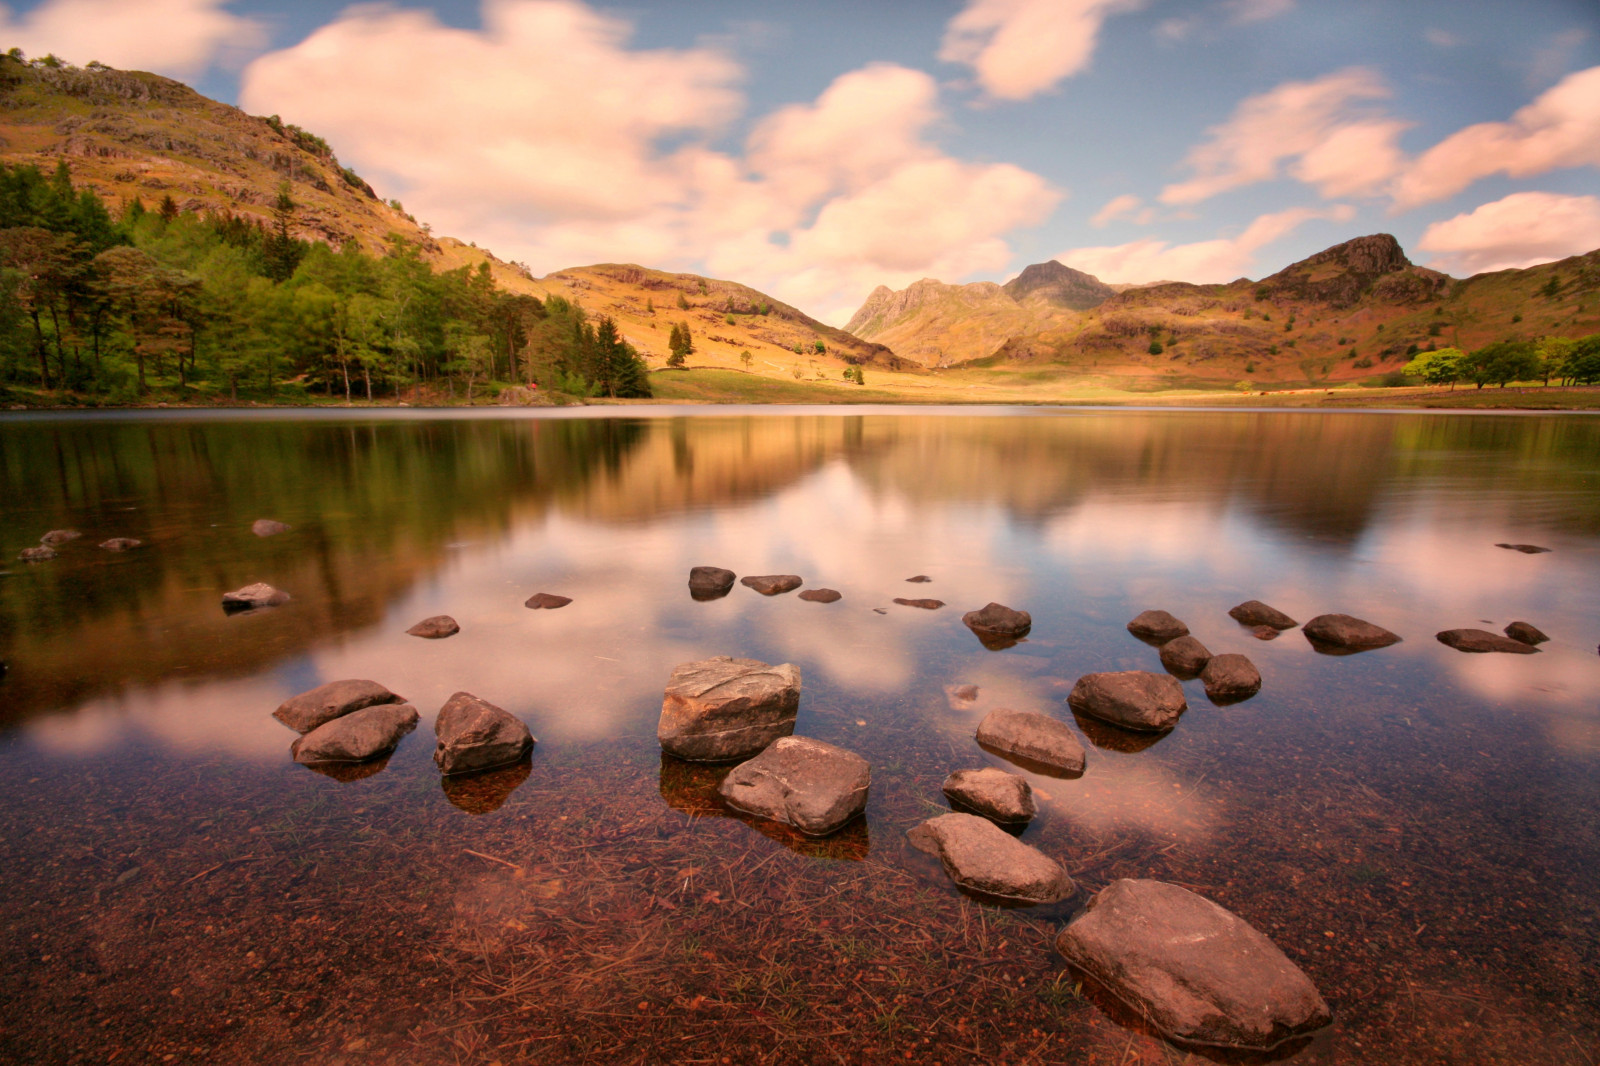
<point>1414,826</point>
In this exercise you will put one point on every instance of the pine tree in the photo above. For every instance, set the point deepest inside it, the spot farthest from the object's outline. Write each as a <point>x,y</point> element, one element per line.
<point>683,304</point>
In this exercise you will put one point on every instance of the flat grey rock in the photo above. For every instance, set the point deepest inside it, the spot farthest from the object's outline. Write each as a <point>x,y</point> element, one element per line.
<point>813,786</point>
<point>267,527</point>
<point>772,584</point>
<point>1481,640</point>
<point>357,736</point>
<point>121,544</point>
<point>1185,656</point>
<point>57,537</point>
<point>1346,631</point>
<point>473,734</point>
<point>1133,699</point>
<point>821,596</point>
<point>998,796</point>
<point>1198,972</point>
<point>722,708</point>
<point>710,579</point>
<point>260,594</point>
<point>437,627</point>
<point>1032,736</point>
<point>981,857</point>
<point>1157,626</point>
<point>1256,613</point>
<point>1229,678</point>
<point>1526,632</point>
<point>335,699</point>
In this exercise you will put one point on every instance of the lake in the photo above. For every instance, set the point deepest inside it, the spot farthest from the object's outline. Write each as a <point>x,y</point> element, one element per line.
<point>1414,826</point>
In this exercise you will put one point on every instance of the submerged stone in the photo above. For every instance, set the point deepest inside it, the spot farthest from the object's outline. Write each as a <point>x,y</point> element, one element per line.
<point>821,596</point>
<point>813,786</point>
<point>981,857</point>
<point>36,555</point>
<point>121,544</point>
<point>267,527</point>
<point>1525,549</point>
<point>1526,632</point>
<point>1133,699</point>
<point>926,605</point>
<point>435,628</point>
<point>57,537</point>
<point>722,708</point>
<point>547,601</point>
<point>919,579</point>
<point>357,736</point>
<point>1256,613</point>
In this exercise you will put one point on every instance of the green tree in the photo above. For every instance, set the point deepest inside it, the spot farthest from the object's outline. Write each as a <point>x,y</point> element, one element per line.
<point>680,344</point>
<point>1553,353</point>
<point>1582,365</point>
<point>745,357</point>
<point>1444,366</point>
<point>1502,362</point>
<point>683,303</point>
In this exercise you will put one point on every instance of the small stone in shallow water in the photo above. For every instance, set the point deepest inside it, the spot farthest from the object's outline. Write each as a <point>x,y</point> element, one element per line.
<point>1265,633</point>
<point>435,628</point>
<point>473,734</point>
<point>772,584</point>
<point>547,601</point>
<point>260,594</point>
<point>880,610</point>
<point>121,544</point>
<point>960,696</point>
<point>357,736</point>
<point>1526,632</point>
<point>722,708</point>
<point>710,579</point>
<point>981,857</point>
<point>999,619</point>
<point>1186,656</point>
<point>1481,640</point>
<point>1348,632</point>
<point>821,596</point>
<point>1525,549</point>
<point>813,786</point>
<point>1133,699</point>
<point>998,796</point>
<point>919,579</point>
<point>36,555</point>
<point>57,537</point>
<point>267,527</point>
<point>1032,737</point>
<point>926,605</point>
<point>1256,613</point>
<point>1229,678</point>
<point>1157,626</point>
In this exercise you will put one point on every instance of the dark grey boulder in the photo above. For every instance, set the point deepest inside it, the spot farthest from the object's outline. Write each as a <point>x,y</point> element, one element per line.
<point>812,786</point>
<point>36,555</point>
<point>473,734</point>
<point>1481,640</point>
<point>722,708</point>
<point>357,736</point>
<point>1256,613</point>
<point>1526,632</point>
<point>926,605</point>
<point>772,584</point>
<point>435,628</point>
<point>1158,626</point>
<point>335,699</point>
<point>1185,656</point>
<point>260,594</point>
<point>1133,699</point>
<point>981,857</point>
<point>1525,549</point>
<point>1345,631</point>
<point>1033,737</point>
<point>57,537</point>
<point>267,527</point>
<point>995,794</point>
<point>1229,678</point>
<point>710,579</point>
<point>1198,972</point>
<point>121,544</point>
<point>821,596</point>
<point>919,579</point>
<point>547,601</point>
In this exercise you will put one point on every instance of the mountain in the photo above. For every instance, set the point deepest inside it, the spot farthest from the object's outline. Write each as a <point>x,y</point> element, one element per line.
<point>936,324</point>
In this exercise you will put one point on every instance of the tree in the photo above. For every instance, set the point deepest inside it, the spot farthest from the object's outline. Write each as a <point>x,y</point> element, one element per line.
<point>744,357</point>
<point>281,251</point>
<point>1445,366</point>
<point>683,303</point>
<point>1552,353</point>
<point>1502,362</point>
<point>681,345</point>
<point>1582,365</point>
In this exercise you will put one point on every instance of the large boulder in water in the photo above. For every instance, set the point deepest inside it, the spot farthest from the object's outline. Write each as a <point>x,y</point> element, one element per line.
<point>1481,640</point>
<point>260,594</point>
<point>474,734</point>
<point>1157,627</point>
<point>1526,632</point>
<point>1229,678</point>
<point>1198,972</point>
<point>1185,656</point>
<point>710,582</point>
<point>1133,699</point>
<point>772,584</point>
<point>1346,632</point>
<point>981,857</point>
<point>1031,737</point>
<point>998,796</point>
<point>335,699</point>
<point>722,708</point>
<point>812,786</point>
<point>357,736</point>
<point>1255,613</point>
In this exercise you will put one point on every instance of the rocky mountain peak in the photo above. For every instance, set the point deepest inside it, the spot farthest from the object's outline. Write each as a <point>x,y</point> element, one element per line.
<point>1060,285</point>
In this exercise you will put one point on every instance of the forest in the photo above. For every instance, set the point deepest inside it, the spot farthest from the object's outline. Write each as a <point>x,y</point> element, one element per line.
<point>160,303</point>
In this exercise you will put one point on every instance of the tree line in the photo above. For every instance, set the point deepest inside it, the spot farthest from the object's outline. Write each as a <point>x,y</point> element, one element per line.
<point>191,305</point>
<point>1568,360</point>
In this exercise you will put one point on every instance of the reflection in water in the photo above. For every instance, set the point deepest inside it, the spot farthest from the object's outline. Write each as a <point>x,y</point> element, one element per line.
<point>1031,765</point>
<point>488,790</point>
<point>348,772</point>
<point>1108,737</point>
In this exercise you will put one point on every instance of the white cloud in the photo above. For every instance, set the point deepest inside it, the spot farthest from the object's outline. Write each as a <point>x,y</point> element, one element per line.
<point>1559,129</point>
<point>1117,207</point>
<point>1020,48</point>
<point>1297,121</point>
<point>1521,230</point>
<point>177,37</point>
<point>547,138</point>
<point>1202,262</point>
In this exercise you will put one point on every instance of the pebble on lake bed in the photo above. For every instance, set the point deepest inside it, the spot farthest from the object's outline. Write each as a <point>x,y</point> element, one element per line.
<point>58,537</point>
<point>36,555</point>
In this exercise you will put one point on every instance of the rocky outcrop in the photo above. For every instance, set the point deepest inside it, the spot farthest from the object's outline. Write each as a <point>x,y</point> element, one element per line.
<point>821,596</point>
<point>1342,631</point>
<point>546,601</point>
<point>473,734</point>
<point>358,736</point>
<point>1198,972</point>
<point>1481,640</point>
<point>981,857</point>
<point>267,527</point>
<point>1157,626</point>
<point>335,699</point>
<point>260,594</point>
<point>1033,738</point>
<point>998,796</point>
<point>1256,613</point>
<point>812,786</point>
<point>722,708</point>
<point>772,584</point>
<point>1526,632</point>
<point>1229,678</point>
<point>437,627</point>
<point>1058,285</point>
<point>1185,656</point>
<point>1133,699</point>
<point>926,605</point>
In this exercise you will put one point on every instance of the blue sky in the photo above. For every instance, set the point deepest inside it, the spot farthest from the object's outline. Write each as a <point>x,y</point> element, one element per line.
<point>815,150</point>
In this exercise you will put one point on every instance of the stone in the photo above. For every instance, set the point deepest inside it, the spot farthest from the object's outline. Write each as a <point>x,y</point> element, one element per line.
<point>960,697</point>
<point>1264,633</point>
<point>1157,626</point>
<point>1525,549</point>
<point>981,857</point>
<point>474,734</point>
<point>710,579</point>
<point>998,796</point>
<point>919,579</point>
<point>926,605</point>
<point>1344,631</point>
<point>772,584</point>
<point>1526,632</point>
<point>267,527</point>
<point>435,628</point>
<point>1196,971</point>
<point>812,786</point>
<point>335,699</point>
<point>1481,640</point>
<point>1033,737</point>
<point>57,537</point>
<point>722,708</point>
<point>1185,656</point>
<point>880,610</point>
<point>36,555</point>
<point>1133,699</point>
<point>260,594</point>
<point>357,736</point>
<point>547,601</point>
<point>121,544</point>
<point>820,596</point>
<point>999,619</point>
<point>1256,613</point>
<point>1229,678</point>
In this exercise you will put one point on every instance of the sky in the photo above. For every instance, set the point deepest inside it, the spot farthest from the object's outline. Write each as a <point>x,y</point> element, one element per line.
<point>815,150</point>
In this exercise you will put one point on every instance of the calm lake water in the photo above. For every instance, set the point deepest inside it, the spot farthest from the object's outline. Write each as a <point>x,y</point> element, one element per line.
<point>1416,827</point>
